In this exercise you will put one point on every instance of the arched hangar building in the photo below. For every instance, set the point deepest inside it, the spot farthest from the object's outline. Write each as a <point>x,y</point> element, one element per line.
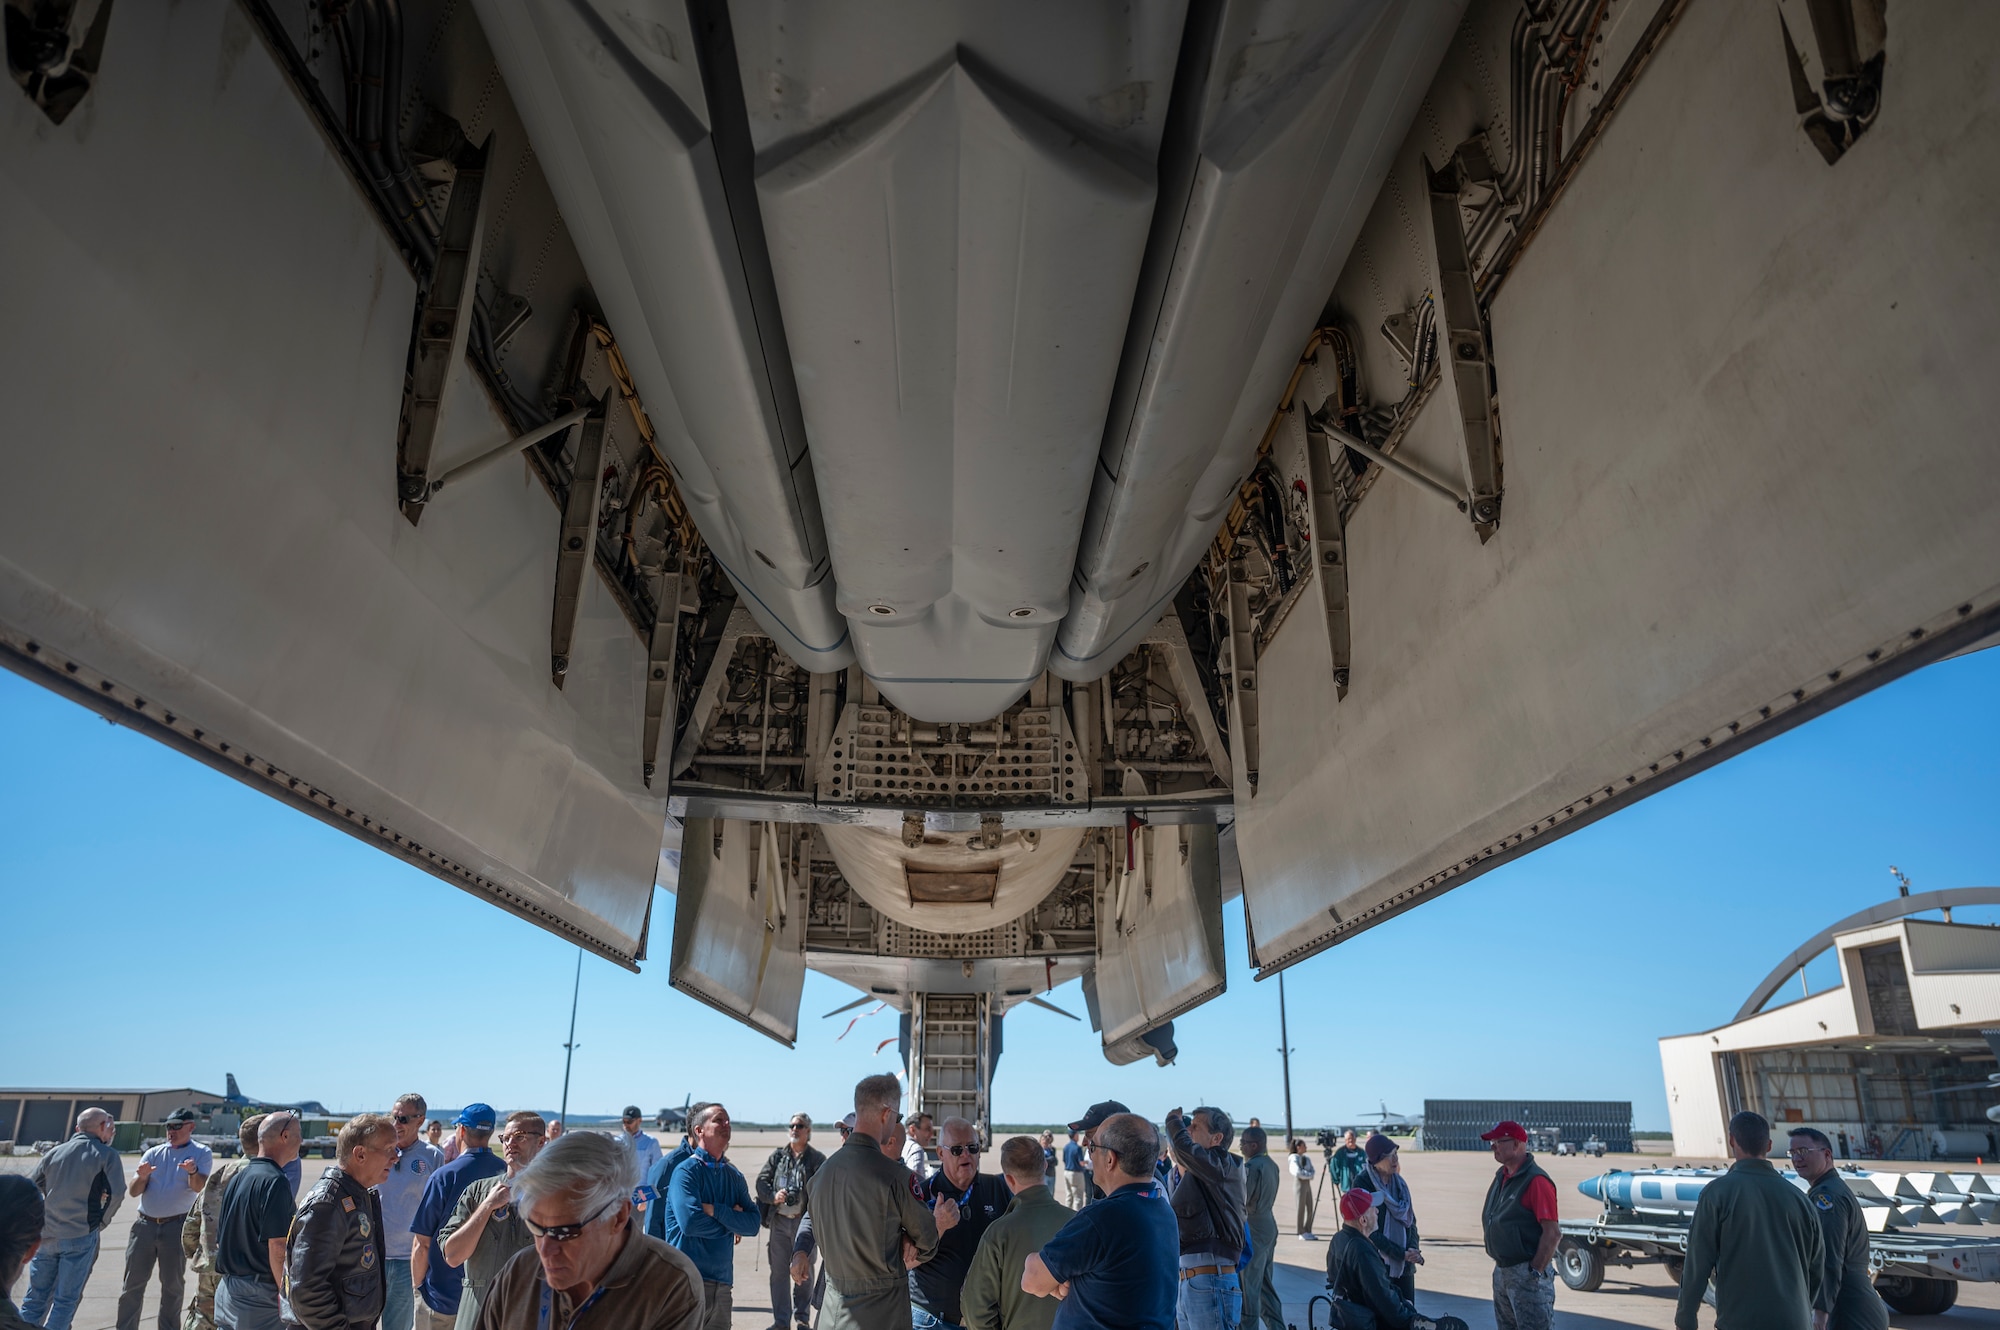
<point>1894,1062</point>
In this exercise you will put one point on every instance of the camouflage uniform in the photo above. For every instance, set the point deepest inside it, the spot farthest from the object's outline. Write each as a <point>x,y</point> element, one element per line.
<point>198,1245</point>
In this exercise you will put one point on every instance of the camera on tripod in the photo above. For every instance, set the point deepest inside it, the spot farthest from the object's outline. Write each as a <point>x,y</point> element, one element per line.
<point>1328,1139</point>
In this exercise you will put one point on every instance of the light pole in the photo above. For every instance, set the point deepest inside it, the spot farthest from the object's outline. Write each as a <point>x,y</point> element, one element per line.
<point>569,1049</point>
<point>1285,1053</point>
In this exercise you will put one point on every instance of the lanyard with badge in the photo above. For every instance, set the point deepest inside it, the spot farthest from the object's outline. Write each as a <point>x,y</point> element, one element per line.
<point>548,1297</point>
<point>964,1202</point>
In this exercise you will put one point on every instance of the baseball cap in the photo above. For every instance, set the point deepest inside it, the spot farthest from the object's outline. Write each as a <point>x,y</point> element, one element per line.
<point>475,1115</point>
<point>1094,1119</point>
<point>180,1115</point>
<point>848,1122</point>
<point>632,1111</point>
<point>1354,1203</point>
<point>1509,1130</point>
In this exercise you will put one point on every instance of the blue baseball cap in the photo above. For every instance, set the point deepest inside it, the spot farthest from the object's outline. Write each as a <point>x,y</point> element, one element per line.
<point>476,1115</point>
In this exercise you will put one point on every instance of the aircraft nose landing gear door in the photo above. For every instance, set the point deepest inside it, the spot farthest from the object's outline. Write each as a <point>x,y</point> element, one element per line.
<point>1159,932</point>
<point>739,922</point>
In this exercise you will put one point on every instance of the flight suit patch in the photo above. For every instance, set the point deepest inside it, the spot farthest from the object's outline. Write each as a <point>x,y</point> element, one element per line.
<point>367,1229</point>
<point>368,1256</point>
<point>1823,1202</point>
<point>347,1204</point>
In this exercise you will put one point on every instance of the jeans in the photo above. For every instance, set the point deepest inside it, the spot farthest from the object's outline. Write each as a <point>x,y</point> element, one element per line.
<point>153,1244</point>
<point>400,1303</point>
<point>243,1303</point>
<point>55,1281</point>
<point>1209,1302</point>
<point>920,1319</point>
<point>1522,1299</point>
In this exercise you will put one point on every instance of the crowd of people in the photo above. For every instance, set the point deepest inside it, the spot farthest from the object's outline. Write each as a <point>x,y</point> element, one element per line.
<point>1160,1226</point>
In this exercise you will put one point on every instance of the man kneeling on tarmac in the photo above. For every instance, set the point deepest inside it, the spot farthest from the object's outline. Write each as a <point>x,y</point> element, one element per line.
<point>1364,1298</point>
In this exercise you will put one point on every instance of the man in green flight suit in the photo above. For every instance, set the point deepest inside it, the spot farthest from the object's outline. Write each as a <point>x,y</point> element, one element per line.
<point>992,1297</point>
<point>1756,1233</point>
<point>1260,1196</point>
<point>1847,1296</point>
<point>867,1222</point>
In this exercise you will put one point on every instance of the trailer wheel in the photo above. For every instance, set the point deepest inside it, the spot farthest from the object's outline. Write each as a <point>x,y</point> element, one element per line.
<point>1914,1295</point>
<point>1580,1264</point>
<point>1674,1266</point>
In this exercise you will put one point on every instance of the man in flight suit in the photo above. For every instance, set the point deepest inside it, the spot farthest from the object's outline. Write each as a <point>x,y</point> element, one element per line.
<point>1755,1232</point>
<point>867,1221</point>
<point>1847,1297</point>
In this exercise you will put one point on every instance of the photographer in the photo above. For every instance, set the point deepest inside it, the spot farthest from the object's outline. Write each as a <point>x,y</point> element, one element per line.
<point>1209,1208</point>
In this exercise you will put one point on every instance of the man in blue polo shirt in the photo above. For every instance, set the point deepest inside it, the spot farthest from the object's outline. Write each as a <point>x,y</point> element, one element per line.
<point>1114,1265</point>
<point>712,1209</point>
<point>438,1282</point>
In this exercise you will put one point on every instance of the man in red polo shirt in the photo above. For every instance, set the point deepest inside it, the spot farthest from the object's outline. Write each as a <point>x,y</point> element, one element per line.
<point>1521,1233</point>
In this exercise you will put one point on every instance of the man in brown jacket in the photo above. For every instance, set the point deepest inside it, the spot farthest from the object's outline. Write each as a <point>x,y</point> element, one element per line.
<point>590,1268</point>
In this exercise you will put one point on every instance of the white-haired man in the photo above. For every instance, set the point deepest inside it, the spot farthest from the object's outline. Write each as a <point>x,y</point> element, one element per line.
<point>964,1202</point>
<point>590,1267</point>
<point>82,1182</point>
<point>333,1254</point>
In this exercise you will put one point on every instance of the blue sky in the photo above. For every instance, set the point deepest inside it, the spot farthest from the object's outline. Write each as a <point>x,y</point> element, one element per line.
<point>164,924</point>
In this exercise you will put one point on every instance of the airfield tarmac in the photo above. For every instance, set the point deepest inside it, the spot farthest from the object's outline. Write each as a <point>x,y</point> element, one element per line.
<point>1447,1189</point>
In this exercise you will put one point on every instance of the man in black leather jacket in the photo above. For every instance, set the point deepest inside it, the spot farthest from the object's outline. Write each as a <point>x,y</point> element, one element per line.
<point>1209,1209</point>
<point>333,1256</point>
<point>1364,1297</point>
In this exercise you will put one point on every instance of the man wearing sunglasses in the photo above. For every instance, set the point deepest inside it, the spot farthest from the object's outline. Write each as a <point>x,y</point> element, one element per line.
<point>781,1197</point>
<point>590,1267</point>
<point>399,1193</point>
<point>965,1202</point>
<point>485,1229</point>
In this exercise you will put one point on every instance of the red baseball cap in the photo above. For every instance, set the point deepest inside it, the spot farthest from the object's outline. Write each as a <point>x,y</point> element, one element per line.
<point>1355,1203</point>
<point>1509,1130</point>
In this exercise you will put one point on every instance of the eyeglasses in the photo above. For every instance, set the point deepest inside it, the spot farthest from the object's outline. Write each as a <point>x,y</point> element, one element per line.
<point>403,1120</point>
<point>521,1136</point>
<point>568,1232</point>
<point>955,1151</point>
<point>802,1126</point>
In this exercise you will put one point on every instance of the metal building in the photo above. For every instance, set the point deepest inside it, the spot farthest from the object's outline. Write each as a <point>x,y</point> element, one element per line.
<point>35,1114</point>
<point>1456,1124</point>
<point>1895,1061</point>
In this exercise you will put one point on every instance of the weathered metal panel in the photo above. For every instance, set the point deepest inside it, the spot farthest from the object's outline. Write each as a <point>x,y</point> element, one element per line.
<point>1748,415</point>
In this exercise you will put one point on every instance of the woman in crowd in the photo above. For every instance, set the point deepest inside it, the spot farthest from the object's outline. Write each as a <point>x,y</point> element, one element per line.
<point>1395,1234</point>
<point>1302,1187</point>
